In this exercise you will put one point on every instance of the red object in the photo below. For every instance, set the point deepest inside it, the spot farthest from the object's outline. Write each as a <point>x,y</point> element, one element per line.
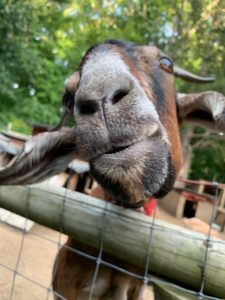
<point>193,197</point>
<point>150,207</point>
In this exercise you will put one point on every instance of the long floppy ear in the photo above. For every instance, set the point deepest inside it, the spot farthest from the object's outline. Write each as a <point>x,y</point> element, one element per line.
<point>44,155</point>
<point>206,108</point>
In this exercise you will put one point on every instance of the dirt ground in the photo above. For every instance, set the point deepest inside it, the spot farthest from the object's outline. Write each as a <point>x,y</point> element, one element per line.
<point>36,262</point>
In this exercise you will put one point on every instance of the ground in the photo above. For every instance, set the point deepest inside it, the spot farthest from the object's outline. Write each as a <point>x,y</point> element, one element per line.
<point>38,254</point>
<point>36,262</point>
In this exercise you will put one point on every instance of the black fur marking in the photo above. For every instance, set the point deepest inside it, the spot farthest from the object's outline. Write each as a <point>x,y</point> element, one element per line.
<point>85,57</point>
<point>158,91</point>
<point>153,171</point>
<point>121,43</point>
<point>68,101</point>
<point>169,182</point>
<point>128,47</point>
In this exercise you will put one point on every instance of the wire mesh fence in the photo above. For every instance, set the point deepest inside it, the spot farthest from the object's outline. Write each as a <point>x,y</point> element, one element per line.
<point>146,277</point>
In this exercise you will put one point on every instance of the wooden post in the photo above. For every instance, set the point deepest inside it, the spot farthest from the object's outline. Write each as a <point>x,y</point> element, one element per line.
<point>204,210</point>
<point>220,218</point>
<point>222,201</point>
<point>173,202</point>
<point>201,187</point>
<point>180,207</point>
<point>176,253</point>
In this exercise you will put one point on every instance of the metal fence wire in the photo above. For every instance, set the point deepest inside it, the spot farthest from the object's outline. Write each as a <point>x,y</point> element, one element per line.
<point>99,261</point>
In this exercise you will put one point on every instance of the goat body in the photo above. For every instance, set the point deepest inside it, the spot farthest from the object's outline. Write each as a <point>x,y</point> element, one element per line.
<point>74,276</point>
<point>127,128</point>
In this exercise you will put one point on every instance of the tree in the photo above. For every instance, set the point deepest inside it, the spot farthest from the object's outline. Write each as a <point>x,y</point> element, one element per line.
<point>43,42</point>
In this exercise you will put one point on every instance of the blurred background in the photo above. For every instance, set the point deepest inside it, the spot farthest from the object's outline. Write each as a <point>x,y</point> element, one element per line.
<point>42,42</point>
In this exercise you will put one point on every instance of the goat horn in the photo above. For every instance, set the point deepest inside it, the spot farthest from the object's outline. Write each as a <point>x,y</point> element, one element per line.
<point>179,72</point>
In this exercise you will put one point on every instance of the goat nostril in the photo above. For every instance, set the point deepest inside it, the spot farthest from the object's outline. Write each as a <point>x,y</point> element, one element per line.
<point>119,95</point>
<point>87,108</point>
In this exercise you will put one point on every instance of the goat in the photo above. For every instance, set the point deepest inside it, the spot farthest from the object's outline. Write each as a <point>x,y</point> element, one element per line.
<point>127,127</point>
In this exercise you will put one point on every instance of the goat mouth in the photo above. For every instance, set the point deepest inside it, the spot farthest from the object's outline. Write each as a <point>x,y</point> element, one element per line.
<point>134,205</point>
<point>122,156</point>
<point>115,150</point>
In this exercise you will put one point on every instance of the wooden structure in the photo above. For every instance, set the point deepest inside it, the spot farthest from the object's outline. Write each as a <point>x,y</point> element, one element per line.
<point>196,199</point>
<point>221,212</point>
<point>77,177</point>
<point>126,234</point>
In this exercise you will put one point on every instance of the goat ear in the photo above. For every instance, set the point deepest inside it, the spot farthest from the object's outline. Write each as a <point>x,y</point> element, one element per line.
<point>206,108</point>
<point>44,155</point>
<point>71,85</point>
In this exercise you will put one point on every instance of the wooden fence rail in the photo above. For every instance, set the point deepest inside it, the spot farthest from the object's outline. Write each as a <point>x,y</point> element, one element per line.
<point>176,253</point>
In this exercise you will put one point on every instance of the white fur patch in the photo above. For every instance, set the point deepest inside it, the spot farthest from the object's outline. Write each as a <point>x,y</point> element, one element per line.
<point>106,63</point>
<point>100,287</point>
<point>215,104</point>
<point>105,66</point>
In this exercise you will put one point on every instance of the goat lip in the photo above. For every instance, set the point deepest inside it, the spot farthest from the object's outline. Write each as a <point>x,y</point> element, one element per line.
<point>115,150</point>
<point>125,204</point>
<point>124,152</point>
<point>133,205</point>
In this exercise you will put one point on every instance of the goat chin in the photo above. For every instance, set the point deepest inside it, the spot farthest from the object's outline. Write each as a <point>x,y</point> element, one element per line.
<point>135,174</point>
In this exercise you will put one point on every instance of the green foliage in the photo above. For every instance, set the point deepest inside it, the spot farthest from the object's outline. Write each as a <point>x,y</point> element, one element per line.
<point>208,159</point>
<point>31,74</point>
<point>42,42</point>
<point>208,163</point>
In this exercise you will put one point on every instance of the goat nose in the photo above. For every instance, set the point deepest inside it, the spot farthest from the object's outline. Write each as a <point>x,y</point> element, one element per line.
<point>87,107</point>
<point>96,99</point>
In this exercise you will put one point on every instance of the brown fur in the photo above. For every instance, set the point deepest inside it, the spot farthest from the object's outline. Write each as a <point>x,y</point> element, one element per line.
<point>75,273</point>
<point>147,58</point>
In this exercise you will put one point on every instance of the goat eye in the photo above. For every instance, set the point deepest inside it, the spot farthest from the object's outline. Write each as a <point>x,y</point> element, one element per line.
<point>166,64</point>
